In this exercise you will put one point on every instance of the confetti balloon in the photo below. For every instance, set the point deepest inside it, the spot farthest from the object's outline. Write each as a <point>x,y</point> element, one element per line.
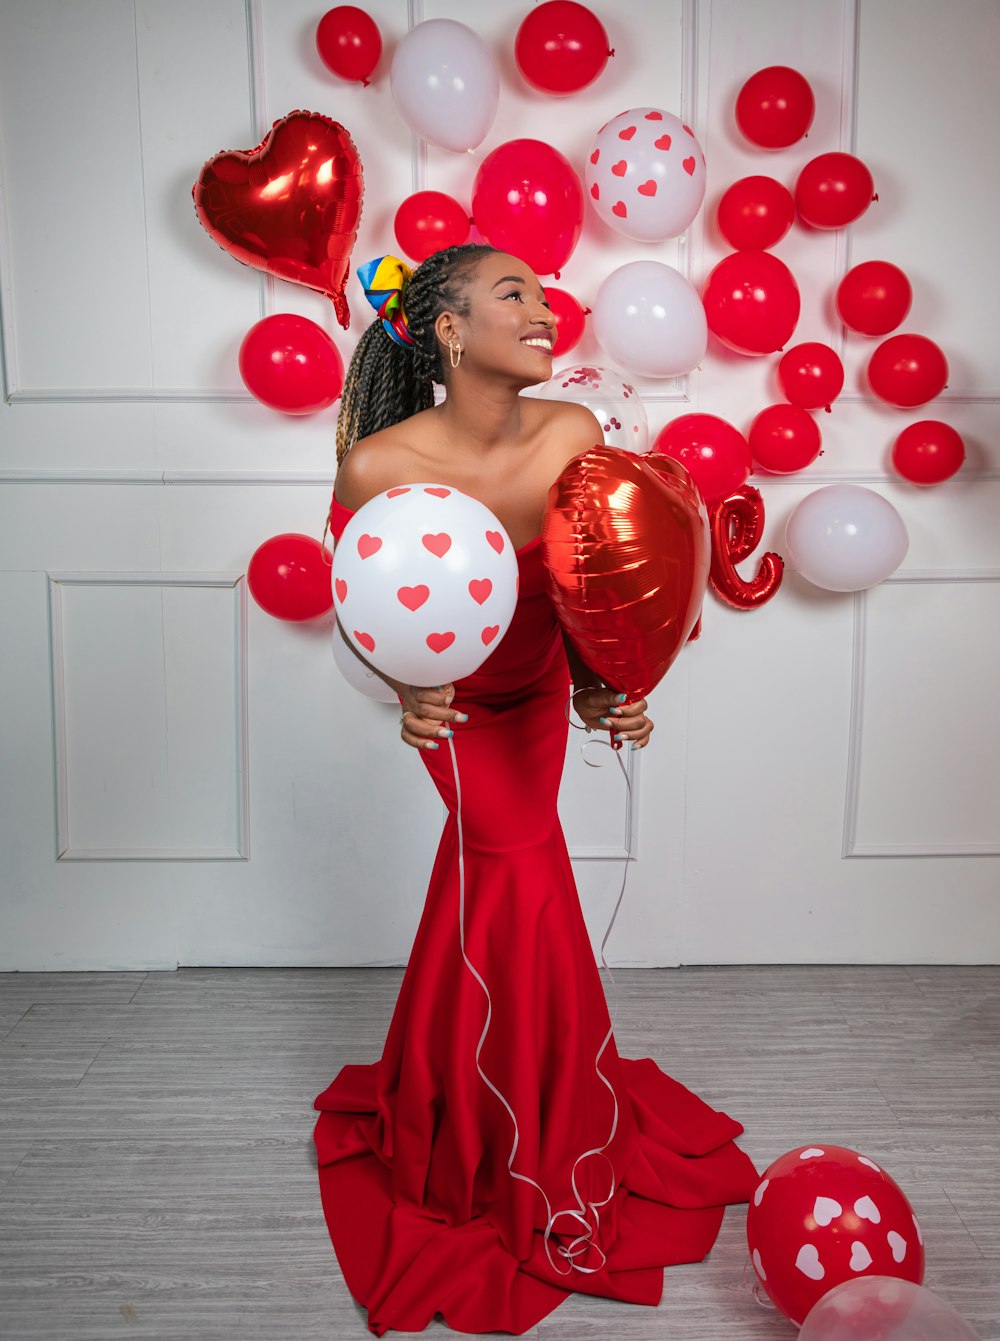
<point>611,397</point>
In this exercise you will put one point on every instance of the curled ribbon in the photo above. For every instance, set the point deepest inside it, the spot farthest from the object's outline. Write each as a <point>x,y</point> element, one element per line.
<point>383,280</point>
<point>589,1238</point>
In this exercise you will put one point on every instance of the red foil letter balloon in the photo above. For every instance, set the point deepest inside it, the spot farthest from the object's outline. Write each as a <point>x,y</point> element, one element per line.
<point>737,523</point>
<point>291,206</point>
<point>626,550</point>
<point>822,1215</point>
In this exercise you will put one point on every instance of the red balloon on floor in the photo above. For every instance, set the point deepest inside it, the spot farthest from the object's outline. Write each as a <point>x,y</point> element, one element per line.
<point>811,375</point>
<point>907,370</point>
<point>874,297</point>
<point>928,452</point>
<point>570,318</point>
<point>349,42</point>
<point>714,453</point>
<point>756,212</point>
<point>775,107</point>
<point>784,438</point>
<point>833,190</point>
<point>291,364</point>
<point>561,47</point>
<point>430,221</point>
<point>751,302</point>
<point>289,577</point>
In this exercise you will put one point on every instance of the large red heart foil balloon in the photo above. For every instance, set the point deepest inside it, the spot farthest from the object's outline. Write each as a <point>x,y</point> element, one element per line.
<point>291,206</point>
<point>627,552</point>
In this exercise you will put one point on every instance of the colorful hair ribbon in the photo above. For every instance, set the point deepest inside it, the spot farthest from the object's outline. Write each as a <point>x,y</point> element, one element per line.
<point>384,280</point>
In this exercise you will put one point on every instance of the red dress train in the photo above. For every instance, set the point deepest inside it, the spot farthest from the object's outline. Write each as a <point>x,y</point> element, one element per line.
<point>424,1214</point>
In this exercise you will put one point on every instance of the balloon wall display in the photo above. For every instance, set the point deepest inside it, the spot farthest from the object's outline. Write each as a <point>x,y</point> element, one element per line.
<point>425,583</point>
<point>561,47</point>
<point>784,439</point>
<point>430,221</point>
<point>645,175</point>
<point>650,320</point>
<point>291,364</point>
<point>907,370</point>
<point>886,1308</point>
<point>845,537</point>
<point>349,42</point>
<point>775,107</point>
<point>291,206</point>
<point>874,297</point>
<point>755,213</point>
<point>289,577</point>
<point>811,375</point>
<point>714,453</point>
<point>445,84</point>
<point>928,452</point>
<point>528,201</point>
<point>751,302</point>
<point>820,1216</point>
<point>833,190</point>
<point>626,552</point>
<point>612,398</point>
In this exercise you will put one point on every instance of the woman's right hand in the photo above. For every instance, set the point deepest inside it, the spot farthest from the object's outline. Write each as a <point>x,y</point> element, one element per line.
<point>426,714</point>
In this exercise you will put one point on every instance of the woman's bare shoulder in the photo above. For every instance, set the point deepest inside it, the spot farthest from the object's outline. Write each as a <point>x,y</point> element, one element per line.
<point>569,428</point>
<point>376,463</point>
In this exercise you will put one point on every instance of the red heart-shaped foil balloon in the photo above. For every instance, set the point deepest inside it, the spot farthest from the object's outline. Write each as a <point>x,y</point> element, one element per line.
<point>626,548</point>
<point>291,206</point>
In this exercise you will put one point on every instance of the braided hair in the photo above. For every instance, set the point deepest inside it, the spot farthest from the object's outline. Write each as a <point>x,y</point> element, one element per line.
<point>386,382</point>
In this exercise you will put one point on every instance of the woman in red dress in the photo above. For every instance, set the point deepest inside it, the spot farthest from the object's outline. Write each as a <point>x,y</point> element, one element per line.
<point>571,1168</point>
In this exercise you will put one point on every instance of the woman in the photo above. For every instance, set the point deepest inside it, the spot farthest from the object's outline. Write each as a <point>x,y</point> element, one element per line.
<point>500,1154</point>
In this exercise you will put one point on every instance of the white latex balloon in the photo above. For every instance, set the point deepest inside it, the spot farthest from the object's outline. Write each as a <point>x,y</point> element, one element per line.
<point>646,174</point>
<point>882,1306</point>
<point>445,84</point>
<point>650,320</point>
<point>845,538</point>
<point>614,401</point>
<point>356,673</point>
<point>424,583</point>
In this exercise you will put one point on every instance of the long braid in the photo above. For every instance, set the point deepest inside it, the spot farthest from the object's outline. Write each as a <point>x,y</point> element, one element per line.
<point>387,382</point>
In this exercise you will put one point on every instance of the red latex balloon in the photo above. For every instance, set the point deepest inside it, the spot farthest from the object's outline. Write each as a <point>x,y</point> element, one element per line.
<point>756,212</point>
<point>775,107</point>
<point>289,577</point>
<point>833,190</point>
<point>751,302</point>
<point>429,221</point>
<point>561,47</point>
<point>291,364</point>
<point>570,318</point>
<point>783,439</point>
<point>737,524</point>
<point>820,1215</point>
<point>928,452</point>
<point>712,451</point>
<point>907,370</point>
<point>874,297</point>
<point>528,201</point>
<point>349,42</point>
<point>291,206</point>
<point>811,375</point>
<point>626,550</point>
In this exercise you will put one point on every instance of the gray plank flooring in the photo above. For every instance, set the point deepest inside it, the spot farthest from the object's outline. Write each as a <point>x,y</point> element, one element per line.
<point>158,1177</point>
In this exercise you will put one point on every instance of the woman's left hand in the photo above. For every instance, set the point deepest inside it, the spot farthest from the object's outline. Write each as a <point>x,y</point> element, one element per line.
<point>603,708</point>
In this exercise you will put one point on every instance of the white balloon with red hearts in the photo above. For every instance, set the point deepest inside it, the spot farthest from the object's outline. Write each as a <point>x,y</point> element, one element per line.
<point>424,583</point>
<point>608,395</point>
<point>356,673</point>
<point>645,174</point>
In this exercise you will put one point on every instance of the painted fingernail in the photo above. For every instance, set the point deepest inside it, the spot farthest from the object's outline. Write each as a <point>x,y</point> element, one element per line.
<point>461,717</point>
<point>605,721</point>
<point>445,734</point>
<point>430,744</point>
<point>635,745</point>
<point>621,698</point>
<point>618,736</point>
<point>616,712</point>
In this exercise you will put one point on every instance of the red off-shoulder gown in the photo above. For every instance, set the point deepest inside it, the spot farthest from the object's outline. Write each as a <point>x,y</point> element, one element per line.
<point>423,1212</point>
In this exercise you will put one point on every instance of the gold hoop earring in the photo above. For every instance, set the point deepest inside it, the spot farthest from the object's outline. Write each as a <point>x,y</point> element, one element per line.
<point>452,346</point>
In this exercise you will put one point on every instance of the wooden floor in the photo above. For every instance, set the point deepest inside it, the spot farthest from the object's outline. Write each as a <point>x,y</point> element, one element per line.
<point>158,1177</point>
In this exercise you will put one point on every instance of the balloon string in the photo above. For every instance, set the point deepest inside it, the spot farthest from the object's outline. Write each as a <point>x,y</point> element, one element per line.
<point>755,1289</point>
<point>587,1239</point>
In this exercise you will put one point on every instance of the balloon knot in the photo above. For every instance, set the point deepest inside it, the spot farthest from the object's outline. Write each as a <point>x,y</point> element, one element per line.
<point>555,274</point>
<point>366,82</point>
<point>587,311</point>
<point>875,196</point>
<point>472,222</point>
<point>827,409</point>
<point>611,51</point>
